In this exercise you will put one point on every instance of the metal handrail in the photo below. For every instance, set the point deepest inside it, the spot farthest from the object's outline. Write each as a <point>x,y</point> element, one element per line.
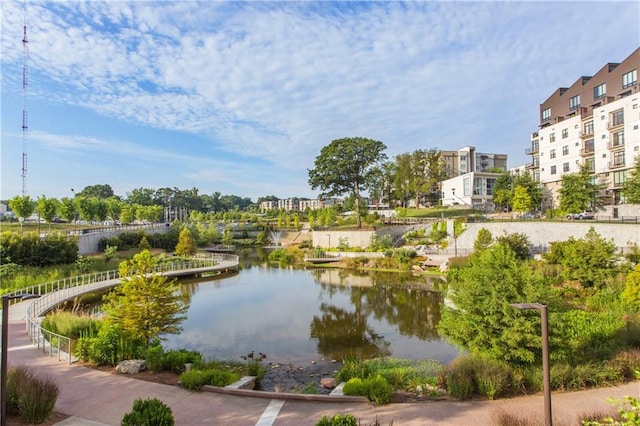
<point>59,291</point>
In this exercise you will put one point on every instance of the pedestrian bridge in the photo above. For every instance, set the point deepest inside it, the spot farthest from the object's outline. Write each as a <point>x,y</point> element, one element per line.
<point>54,293</point>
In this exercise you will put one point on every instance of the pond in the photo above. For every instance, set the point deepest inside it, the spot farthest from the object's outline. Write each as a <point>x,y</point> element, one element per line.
<point>295,315</point>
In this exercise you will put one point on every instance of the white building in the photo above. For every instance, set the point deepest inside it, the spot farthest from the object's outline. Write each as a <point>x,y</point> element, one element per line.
<point>470,182</point>
<point>595,122</point>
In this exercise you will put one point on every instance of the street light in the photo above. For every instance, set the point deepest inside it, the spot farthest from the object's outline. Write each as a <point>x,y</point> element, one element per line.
<point>545,355</point>
<point>3,361</point>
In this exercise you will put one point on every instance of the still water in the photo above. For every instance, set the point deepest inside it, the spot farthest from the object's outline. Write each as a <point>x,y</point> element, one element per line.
<point>301,315</point>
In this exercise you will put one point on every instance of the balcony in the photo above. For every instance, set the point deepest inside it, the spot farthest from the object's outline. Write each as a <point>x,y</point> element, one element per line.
<point>587,151</point>
<point>532,150</point>
<point>615,124</point>
<point>615,145</point>
<point>585,112</point>
<point>616,164</point>
<point>587,133</point>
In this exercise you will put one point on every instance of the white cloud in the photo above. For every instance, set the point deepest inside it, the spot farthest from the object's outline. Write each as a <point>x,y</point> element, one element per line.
<point>278,81</point>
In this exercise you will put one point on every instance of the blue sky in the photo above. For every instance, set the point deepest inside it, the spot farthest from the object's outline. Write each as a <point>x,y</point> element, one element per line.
<point>239,97</point>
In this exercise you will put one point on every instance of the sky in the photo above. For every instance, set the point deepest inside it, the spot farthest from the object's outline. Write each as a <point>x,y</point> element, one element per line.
<point>240,97</point>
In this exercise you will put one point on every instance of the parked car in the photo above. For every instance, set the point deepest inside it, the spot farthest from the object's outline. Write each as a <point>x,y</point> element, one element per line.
<point>587,214</point>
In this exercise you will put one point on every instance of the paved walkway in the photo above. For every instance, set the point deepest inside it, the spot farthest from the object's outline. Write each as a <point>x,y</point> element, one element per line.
<point>93,397</point>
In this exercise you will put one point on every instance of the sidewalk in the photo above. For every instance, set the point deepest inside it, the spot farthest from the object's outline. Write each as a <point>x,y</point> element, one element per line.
<point>93,397</point>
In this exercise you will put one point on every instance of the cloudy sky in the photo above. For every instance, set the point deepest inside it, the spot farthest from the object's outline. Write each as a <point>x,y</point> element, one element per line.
<point>239,97</point>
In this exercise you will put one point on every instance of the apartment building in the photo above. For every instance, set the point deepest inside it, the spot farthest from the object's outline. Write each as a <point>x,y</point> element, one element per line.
<point>471,177</point>
<point>297,204</point>
<point>467,160</point>
<point>594,122</point>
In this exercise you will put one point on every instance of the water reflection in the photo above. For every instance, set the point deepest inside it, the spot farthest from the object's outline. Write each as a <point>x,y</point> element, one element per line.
<point>297,315</point>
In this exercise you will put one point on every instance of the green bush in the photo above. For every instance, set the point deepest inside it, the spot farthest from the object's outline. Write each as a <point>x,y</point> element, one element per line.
<point>30,396</point>
<point>492,377</point>
<point>175,360</point>
<point>31,250</point>
<point>376,389</point>
<point>154,356</point>
<point>338,420</point>
<point>460,378</point>
<point>148,412</point>
<point>195,379</point>
<point>353,367</point>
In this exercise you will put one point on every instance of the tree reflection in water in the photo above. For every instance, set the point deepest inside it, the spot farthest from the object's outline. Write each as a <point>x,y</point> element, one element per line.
<point>401,301</point>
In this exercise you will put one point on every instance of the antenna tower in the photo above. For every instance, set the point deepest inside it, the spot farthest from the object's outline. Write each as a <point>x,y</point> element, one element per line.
<point>25,86</point>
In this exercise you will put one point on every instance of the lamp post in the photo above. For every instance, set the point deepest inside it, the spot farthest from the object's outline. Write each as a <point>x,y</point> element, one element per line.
<point>3,361</point>
<point>546,372</point>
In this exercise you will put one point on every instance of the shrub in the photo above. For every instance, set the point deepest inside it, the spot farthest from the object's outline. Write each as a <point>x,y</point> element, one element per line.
<point>154,356</point>
<point>195,379</point>
<point>460,383</point>
<point>492,377</point>
<point>376,389</point>
<point>148,412</point>
<point>30,396</point>
<point>338,420</point>
<point>175,360</point>
<point>352,367</point>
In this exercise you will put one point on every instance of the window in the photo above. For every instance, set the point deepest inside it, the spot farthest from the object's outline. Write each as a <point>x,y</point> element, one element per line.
<point>553,170</point>
<point>552,137</point>
<point>589,146</point>
<point>552,153</point>
<point>565,133</point>
<point>617,117</point>
<point>574,102</point>
<point>536,161</point>
<point>619,178</point>
<point>565,150</point>
<point>600,91</point>
<point>618,159</point>
<point>590,163</point>
<point>565,167</point>
<point>618,139</point>
<point>491,182</point>
<point>629,79</point>
<point>466,189</point>
<point>588,128</point>
<point>546,114</point>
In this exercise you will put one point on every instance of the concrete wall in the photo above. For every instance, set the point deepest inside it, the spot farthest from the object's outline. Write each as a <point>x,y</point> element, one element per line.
<point>539,233</point>
<point>90,243</point>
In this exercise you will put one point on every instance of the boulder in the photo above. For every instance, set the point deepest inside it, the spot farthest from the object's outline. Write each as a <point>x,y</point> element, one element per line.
<point>131,366</point>
<point>328,382</point>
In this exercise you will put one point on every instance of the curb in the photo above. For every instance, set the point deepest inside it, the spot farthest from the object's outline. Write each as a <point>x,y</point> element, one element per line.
<point>284,395</point>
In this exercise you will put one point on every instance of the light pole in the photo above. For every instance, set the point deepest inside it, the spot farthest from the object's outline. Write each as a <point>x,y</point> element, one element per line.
<point>546,372</point>
<point>3,361</point>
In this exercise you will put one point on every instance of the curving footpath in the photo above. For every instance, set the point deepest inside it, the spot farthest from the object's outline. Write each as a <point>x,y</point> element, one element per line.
<point>93,397</point>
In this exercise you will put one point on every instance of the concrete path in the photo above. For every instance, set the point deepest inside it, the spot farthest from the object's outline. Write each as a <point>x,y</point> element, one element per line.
<point>97,398</point>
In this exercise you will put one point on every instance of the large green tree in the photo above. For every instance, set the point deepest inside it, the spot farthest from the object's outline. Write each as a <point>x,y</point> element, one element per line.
<point>480,317</point>
<point>98,191</point>
<point>578,191</point>
<point>145,304</point>
<point>186,244</point>
<point>68,209</point>
<point>521,199</point>
<point>631,188</point>
<point>345,166</point>
<point>47,208</point>
<point>22,206</point>
<point>418,174</point>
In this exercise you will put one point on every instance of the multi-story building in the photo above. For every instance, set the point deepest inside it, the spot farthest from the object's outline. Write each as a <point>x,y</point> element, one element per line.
<point>297,204</point>
<point>472,176</point>
<point>594,123</point>
<point>467,160</point>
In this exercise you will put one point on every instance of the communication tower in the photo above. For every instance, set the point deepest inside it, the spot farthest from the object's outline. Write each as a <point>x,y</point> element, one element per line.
<point>25,87</point>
